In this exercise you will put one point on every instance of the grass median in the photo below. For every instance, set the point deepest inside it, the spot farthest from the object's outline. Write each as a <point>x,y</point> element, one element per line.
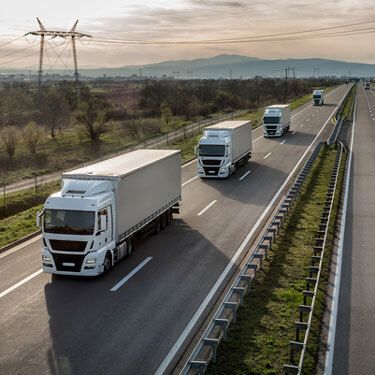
<point>259,342</point>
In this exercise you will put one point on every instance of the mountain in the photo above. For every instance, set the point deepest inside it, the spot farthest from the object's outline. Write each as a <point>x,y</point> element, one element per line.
<point>224,66</point>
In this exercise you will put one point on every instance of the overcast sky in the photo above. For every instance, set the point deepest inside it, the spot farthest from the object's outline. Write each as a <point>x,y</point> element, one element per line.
<point>184,20</point>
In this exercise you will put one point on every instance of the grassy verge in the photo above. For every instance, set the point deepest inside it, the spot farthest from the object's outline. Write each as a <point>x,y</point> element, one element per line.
<point>259,342</point>
<point>13,203</point>
<point>347,111</point>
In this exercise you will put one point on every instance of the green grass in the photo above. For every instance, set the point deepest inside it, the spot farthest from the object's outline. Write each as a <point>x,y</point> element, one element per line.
<point>347,111</point>
<point>259,342</point>
<point>15,227</point>
<point>14,203</point>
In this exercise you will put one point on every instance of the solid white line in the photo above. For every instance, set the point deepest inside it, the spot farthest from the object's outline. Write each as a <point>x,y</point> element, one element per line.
<point>206,208</point>
<point>283,142</point>
<point>25,280</point>
<point>257,139</point>
<point>202,307</point>
<point>20,246</point>
<point>188,181</point>
<point>190,162</point>
<point>336,287</point>
<point>130,275</point>
<point>270,153</point>
<point>246,174</point>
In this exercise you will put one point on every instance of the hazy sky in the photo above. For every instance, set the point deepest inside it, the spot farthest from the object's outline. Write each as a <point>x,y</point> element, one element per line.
<point>184,20</point>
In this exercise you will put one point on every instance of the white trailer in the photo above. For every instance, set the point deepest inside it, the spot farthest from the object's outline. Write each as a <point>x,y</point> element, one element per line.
<point>93,221</point>
<point>318,97</point>
<point>224,147</point>
<point>276,120</point>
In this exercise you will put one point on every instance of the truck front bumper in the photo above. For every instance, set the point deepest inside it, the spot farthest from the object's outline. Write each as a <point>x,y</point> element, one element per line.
<point>218,172</point>
<point>70,264</point>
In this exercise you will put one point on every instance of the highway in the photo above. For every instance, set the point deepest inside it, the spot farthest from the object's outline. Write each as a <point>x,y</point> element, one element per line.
<point>55,325</point>
<point>354,350</point>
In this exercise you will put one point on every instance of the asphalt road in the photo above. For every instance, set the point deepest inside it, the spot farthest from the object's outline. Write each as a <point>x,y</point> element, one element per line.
<point>54,325</point>
<point>355,331</point>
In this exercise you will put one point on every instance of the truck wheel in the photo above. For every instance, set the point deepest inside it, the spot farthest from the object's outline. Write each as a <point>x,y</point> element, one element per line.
<point>157,225</point>
<point>169,217</point>
<point>129,247</point>
<point>107,263</point>
<point>163,220</point>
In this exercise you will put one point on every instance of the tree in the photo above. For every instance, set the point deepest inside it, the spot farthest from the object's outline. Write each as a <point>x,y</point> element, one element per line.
<point>166,114</point>
<point>31,135</point>
<point>92,114</point>
<point>9,138</point>
<point>55,111</point>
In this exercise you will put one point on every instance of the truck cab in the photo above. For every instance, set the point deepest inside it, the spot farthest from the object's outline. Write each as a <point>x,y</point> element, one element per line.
<point>77,228</point>
<point>276,120</point>
<point>367,85</point>
<point>318,97</point>
<point>214,154</point>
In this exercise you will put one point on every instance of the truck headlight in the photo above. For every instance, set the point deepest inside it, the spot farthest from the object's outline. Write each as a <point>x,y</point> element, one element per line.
<point>46,258</point>
<point>200,169</point>
<point>90,260</point>
<point>223,170</point>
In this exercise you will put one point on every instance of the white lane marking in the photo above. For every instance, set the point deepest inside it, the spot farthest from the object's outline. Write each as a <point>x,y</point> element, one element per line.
<point>269,154</point>
<point>294,132</point>
<point>301,125</point>
<point>206,208</point>
<point>313,115</point>
<point>336,286</point>
<point>188,163</point>
<point>308,120</point>
<point>246,174</point>
<point>20,246</point>
<point>203,306</point>
<point>25,280</point>
<point>283,142</point>
<point>130,275</point>
<point>188,181</point>
<point>257,139</point>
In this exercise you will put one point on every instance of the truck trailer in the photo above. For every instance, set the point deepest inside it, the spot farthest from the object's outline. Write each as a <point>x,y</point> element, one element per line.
<point>318,97</point>
<point>93,221</point>
<point>276,120</point>
<point>224,147</point>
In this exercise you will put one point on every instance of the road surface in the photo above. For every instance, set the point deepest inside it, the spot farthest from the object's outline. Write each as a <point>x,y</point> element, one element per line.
<point>354,352</point>
<point>54,325</point>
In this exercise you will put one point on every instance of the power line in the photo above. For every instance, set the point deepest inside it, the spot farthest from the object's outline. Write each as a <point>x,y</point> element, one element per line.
<point>18,51</point>
<point>11,41</point>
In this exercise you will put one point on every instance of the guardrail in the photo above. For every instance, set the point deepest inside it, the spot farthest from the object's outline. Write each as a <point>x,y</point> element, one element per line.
<point>315,269</point>
<point>206,349</point>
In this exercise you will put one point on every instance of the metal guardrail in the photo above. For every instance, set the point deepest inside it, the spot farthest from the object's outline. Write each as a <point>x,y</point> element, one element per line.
<point>206,349</point>
<point>314,271</point>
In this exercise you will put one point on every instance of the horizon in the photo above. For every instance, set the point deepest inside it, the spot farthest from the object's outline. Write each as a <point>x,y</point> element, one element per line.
<point>193,21</point>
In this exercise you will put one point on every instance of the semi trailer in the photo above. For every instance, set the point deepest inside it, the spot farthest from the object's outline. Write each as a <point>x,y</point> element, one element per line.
<point>224,147</point>
<point>276,120</point>
<point>94,220</point>
<point>318,97</point>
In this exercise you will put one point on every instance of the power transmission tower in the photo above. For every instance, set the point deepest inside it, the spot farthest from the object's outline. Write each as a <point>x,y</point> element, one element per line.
<point>72,34</point>
<point>286,84</point>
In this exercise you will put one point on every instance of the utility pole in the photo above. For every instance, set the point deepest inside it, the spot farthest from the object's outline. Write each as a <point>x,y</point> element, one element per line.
<point>230,75</point>
<point>72,34</point>
<point>140,73</point>
<point>286,85</point>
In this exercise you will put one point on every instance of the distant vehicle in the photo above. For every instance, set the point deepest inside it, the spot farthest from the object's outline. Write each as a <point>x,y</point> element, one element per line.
<point>276,120</point>
<point>93,221</point>
<point>318,97</point>
<point>224,147</point>
<point>367,85</point>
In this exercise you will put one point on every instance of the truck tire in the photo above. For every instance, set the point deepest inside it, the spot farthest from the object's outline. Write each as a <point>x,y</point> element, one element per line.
<point>169,217</point>
<point>157,224</point>
<point>163,220</point>
<point>129,247</point>
<point>107,264</point>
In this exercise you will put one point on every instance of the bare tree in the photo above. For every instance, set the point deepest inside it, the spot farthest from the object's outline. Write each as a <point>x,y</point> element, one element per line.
<point>9,138</point>
<point>92,114</point>
<point>166,114</point>
<point>31,135</point>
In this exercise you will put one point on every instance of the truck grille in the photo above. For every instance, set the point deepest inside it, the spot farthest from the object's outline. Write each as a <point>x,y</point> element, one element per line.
<point>60,245</point>
<point>67,262</point>
<point>211,162</point>
<point>211,171</point>
<point>271,127</point>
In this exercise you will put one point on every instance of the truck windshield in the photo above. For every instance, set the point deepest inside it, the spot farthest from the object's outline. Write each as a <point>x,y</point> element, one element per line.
<point>317,96</point>
<point>69,222</point>
<point>211,150</point>
<point>271,120</point>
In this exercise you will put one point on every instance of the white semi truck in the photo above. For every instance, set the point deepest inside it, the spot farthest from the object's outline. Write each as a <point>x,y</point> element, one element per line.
<point>224,147</point>
<point>276,120</point>
<point>318,97</point>
<point>93,221</point>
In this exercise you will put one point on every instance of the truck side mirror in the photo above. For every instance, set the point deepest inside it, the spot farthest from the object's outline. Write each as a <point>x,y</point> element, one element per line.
<point>38,219</point>
<point>228,150</point>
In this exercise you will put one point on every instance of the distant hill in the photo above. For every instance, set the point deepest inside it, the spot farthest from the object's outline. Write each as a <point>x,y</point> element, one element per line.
<point>224,66</point>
